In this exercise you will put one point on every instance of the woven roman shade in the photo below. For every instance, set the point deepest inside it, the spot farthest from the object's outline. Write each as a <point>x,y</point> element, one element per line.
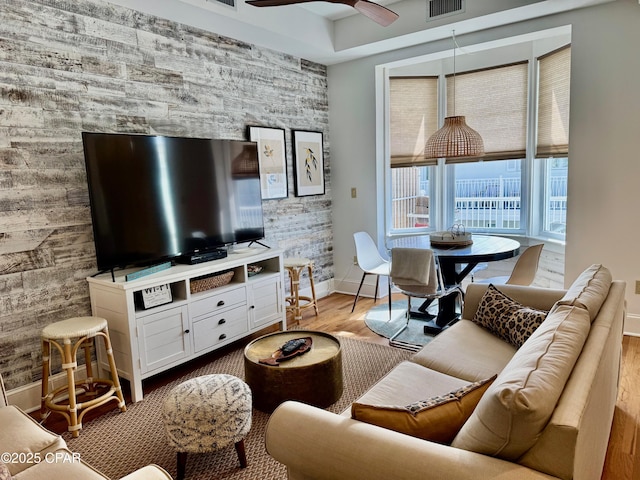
<point>494,102</point>
<point>554,79</point>
<point>413,106</point>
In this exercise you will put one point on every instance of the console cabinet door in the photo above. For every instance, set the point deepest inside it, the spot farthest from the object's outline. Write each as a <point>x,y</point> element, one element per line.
<point>265,302</point>
<point>163,338</point>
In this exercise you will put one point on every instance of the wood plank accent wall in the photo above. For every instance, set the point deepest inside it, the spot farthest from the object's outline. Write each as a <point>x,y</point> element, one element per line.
<point>68,66</point>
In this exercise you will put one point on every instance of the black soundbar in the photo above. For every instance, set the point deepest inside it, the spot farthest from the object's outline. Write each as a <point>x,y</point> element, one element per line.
<point>201,257</point>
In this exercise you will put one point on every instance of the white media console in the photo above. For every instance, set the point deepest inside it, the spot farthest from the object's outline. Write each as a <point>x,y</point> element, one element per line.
<point>147,341</point>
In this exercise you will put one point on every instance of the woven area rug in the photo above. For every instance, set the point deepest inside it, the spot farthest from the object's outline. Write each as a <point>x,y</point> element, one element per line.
<point>377,319</point>
<point>118,443</point>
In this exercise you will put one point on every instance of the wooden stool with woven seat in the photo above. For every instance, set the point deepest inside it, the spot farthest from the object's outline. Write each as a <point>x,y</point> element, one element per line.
<point>295,266</point>
<point>61,334</point>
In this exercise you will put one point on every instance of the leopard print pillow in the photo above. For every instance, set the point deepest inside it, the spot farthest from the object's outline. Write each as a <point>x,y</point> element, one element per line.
<point>506,318</point>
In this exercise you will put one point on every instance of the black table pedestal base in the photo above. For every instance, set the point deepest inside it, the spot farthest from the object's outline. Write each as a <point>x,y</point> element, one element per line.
<point>432,328</point>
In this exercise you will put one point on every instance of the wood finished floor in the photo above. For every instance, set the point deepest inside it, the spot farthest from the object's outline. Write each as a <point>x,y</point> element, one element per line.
<point>622,462</point>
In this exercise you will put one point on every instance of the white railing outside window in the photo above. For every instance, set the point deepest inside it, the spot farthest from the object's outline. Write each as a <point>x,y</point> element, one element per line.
<point>488,203</point>
<point>481,203</point>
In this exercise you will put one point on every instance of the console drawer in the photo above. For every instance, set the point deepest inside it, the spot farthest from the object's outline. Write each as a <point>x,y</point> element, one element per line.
<point>221,301</point>
<point>219,328</point>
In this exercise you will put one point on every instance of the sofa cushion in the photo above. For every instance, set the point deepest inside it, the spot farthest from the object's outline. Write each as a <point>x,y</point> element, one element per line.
<point>408,383</point>
<point>437,419</point>
<point>506,318</point>
<point>466,351</point>
<point>589,290</point>
<point>22,434</point>
<point>515,409</point>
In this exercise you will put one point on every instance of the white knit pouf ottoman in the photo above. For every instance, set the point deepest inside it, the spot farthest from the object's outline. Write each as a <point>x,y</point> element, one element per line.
<point>207,413</point>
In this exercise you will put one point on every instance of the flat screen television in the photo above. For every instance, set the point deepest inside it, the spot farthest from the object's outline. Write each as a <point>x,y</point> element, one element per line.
<point>155,198</point>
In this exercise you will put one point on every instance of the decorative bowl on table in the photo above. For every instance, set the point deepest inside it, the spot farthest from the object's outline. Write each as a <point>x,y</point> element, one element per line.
<point>456,236</point>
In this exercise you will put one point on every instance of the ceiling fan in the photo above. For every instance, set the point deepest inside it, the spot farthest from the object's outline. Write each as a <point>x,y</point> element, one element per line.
<point>374,11</point>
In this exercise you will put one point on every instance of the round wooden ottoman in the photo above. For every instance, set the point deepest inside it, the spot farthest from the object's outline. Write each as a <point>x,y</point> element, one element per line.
<point>314,377</point>
<point>207,413</point>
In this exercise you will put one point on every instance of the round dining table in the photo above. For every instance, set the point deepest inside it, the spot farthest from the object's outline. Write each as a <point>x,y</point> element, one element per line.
<point>457,262</point>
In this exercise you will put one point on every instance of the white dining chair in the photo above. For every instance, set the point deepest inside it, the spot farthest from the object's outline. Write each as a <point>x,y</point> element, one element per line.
<point>524,271</point>
<point>371,263</point>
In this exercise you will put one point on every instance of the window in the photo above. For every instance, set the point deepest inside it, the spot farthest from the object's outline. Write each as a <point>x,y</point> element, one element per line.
<point>555,197</point>
<point>488,196</point>
<point>413,117</point>
<point>494,102</point>
<point>411,197</point>
<point>520,185</point>
<point>552,141</point>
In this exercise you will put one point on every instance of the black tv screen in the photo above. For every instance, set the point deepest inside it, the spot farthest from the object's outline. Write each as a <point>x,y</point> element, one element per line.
<point>155,198</point>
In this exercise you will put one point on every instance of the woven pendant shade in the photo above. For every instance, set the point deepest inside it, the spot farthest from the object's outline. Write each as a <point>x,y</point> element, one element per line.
<point>454,139</point>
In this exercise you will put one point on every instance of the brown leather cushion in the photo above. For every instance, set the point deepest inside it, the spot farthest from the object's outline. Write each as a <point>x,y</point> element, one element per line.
<point>437,419</point>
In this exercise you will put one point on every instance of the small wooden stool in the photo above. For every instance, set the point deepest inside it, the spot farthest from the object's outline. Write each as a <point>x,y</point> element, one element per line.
<point>295,266</point>
<point>60,335</point>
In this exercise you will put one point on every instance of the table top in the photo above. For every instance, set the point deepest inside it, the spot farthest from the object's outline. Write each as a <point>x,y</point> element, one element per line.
<point>324,347</point>
<point>485,248</point>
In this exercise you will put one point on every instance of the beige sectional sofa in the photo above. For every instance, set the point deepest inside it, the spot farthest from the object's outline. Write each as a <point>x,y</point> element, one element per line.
<point>547,414</point>
<point>30,452</point>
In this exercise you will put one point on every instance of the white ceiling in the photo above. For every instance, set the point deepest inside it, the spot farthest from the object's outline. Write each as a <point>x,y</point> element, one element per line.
<point>329,33</point>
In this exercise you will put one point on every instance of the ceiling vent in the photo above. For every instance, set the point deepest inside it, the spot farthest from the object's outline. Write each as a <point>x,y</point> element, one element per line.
<point>437,9</point>
<point>230,3</point>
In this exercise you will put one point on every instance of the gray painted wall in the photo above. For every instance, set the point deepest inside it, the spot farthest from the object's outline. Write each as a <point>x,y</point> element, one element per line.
<point>73,66</point>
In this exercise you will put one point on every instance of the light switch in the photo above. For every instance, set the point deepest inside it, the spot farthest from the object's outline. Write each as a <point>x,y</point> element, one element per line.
<point>354,193</point>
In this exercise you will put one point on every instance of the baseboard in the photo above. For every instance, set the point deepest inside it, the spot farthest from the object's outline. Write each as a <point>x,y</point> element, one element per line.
<point>350,287</point>
<point>323,289</point>
<point>632,325</point>
<point>27,397</point>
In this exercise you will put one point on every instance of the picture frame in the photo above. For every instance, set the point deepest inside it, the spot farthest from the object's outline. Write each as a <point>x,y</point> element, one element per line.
<point>272,160</point>
<point>308,163</point>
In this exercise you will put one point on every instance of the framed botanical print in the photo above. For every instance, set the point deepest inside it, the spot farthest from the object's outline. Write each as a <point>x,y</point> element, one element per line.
<point>272,159</point>
<point>308,162</point>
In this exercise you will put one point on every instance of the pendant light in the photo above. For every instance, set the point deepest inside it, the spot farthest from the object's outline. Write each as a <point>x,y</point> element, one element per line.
<point>455,138</point>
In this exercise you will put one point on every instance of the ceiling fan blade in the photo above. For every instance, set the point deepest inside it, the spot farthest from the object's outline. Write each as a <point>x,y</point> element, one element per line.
<point>377,13</point>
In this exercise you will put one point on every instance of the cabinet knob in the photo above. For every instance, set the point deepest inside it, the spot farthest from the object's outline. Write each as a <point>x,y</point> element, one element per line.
<point>223,336</point>
<point>222,321</point>
<point>252,306</point>
<point>187,331</point>
<point>221,303</point>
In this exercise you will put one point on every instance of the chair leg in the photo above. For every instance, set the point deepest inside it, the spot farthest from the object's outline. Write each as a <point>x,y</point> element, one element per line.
<point>46,352</point>
<point>242,455</point>
<point>364,274</point>
<point>182,464</point>
<point>395,343</point>
<point>313,288</point>
<point>389,285</point>
<point>375,292</point>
